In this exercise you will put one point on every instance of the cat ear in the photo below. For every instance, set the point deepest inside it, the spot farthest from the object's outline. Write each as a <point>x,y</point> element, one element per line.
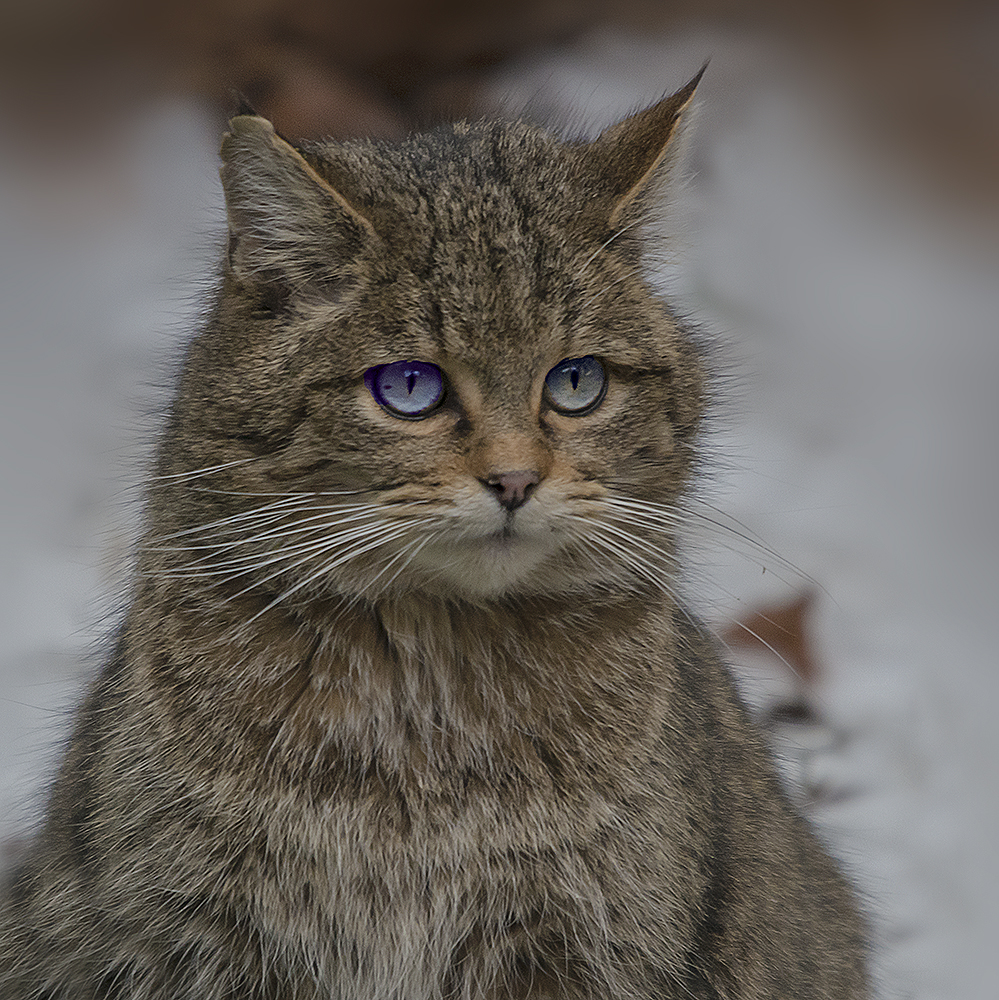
<point>286,222</point>
<point>634,155</point>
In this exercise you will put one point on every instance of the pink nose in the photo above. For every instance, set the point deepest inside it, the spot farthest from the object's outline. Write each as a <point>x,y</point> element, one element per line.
<point>512,489</point>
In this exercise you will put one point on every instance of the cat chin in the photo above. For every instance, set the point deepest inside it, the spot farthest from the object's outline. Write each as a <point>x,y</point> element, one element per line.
<point>487,567</point>
<point>480,571</point>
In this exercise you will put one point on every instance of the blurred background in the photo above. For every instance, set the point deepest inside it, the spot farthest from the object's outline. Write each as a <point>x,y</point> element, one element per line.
<point>837,235</point>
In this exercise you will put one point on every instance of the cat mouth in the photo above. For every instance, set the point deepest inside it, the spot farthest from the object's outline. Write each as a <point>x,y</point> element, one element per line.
<point>509,537</point>
<point>514,530</point>
<point>506,533</point>
<point>505,538</point>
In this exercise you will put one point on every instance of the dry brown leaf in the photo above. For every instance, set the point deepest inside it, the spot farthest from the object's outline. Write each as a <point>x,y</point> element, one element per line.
<point>782,631</point>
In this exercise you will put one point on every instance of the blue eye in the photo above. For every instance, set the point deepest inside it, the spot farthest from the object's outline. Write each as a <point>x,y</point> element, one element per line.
<point>406,389</point>
<point>576,386</point>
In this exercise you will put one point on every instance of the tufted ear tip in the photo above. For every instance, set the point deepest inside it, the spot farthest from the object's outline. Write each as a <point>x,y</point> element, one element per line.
<point>242,106</point>
<point>686,92</point>
<point>244,130</point>
<point>286,221</point>
<point>630,153</point>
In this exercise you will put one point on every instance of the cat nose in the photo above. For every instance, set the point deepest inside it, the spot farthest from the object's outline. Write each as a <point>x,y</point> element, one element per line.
<point>512,489</point>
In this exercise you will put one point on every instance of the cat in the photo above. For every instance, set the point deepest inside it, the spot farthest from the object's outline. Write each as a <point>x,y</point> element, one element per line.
<point>405,705</point>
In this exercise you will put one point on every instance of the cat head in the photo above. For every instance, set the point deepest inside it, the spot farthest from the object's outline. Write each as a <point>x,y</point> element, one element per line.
<point>435,365</point>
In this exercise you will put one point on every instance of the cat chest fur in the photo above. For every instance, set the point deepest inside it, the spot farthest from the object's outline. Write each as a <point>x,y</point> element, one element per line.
<point>412,814</point>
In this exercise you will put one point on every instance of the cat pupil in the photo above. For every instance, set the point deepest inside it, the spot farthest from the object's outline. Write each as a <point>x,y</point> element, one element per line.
<point>407,389</point>
<point>576,386</point>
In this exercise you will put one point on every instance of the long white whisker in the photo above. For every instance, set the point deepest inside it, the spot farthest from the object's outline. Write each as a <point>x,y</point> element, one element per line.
<point>652,513</point>
<point>603,246</point>
<point>252,562</point>
<point>355,512</point>
<point>763,642</point>
<point>299,525</point>
<point>274,512</point>
<point>172,478</point>
<point>382,533</point>
<point>639,565</point>
<point>352,553</point>
<point>751,542</point>
<point>652,570</point>
<point>642,521</point>
<point>629,549</point>
<point>208,470</point>
<point>408,554</point>
<point>606,524</point>
<point>638,540</point>
<point>275,493</point>
<point>279,507</point>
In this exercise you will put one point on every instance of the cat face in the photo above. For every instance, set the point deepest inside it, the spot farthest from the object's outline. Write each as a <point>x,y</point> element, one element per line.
<point>434,366</point>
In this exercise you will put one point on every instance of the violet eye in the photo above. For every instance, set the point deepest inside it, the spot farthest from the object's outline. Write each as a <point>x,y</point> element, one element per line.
<point>576,386</point>
<point>407,389</point>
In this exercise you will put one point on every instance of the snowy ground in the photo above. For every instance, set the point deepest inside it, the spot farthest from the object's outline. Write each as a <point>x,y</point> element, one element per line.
<point>857,440</point>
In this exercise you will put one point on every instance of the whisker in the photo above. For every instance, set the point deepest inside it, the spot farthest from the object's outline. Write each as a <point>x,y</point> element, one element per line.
<point>790,666</point>
<point>383,533</point>
<point>752,542</point>
<point>252,562</point>
<point>179,477</point>
<point>643,521</point>
<point>631,538</point>
<point>755,550</point>
<point>252,493</point>
<point>651,514</point>
<point>208,470</point>
<point>645,508</point>
<point>352,553</point>
<point>646,514</point>
<point>603,246</point>
<point>583,547</point>
<point>235,518</point>
<point>629,551</point>
<point>639,565</point>
<point>269,513</point>
<point>352,513</point>
<point>239,565</point>
<point>409,553</point>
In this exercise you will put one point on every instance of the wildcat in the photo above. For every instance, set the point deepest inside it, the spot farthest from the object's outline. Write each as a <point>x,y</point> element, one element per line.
<point>405,706</point>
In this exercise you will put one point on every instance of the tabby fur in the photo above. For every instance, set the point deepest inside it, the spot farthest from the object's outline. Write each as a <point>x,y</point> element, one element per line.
<point>370,734</point>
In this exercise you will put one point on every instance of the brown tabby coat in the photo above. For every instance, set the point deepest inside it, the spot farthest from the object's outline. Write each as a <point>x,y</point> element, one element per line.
<point>368,734</point>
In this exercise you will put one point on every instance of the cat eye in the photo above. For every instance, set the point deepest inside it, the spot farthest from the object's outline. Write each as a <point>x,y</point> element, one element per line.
<point>407,389</point>
<point>576,386</point>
